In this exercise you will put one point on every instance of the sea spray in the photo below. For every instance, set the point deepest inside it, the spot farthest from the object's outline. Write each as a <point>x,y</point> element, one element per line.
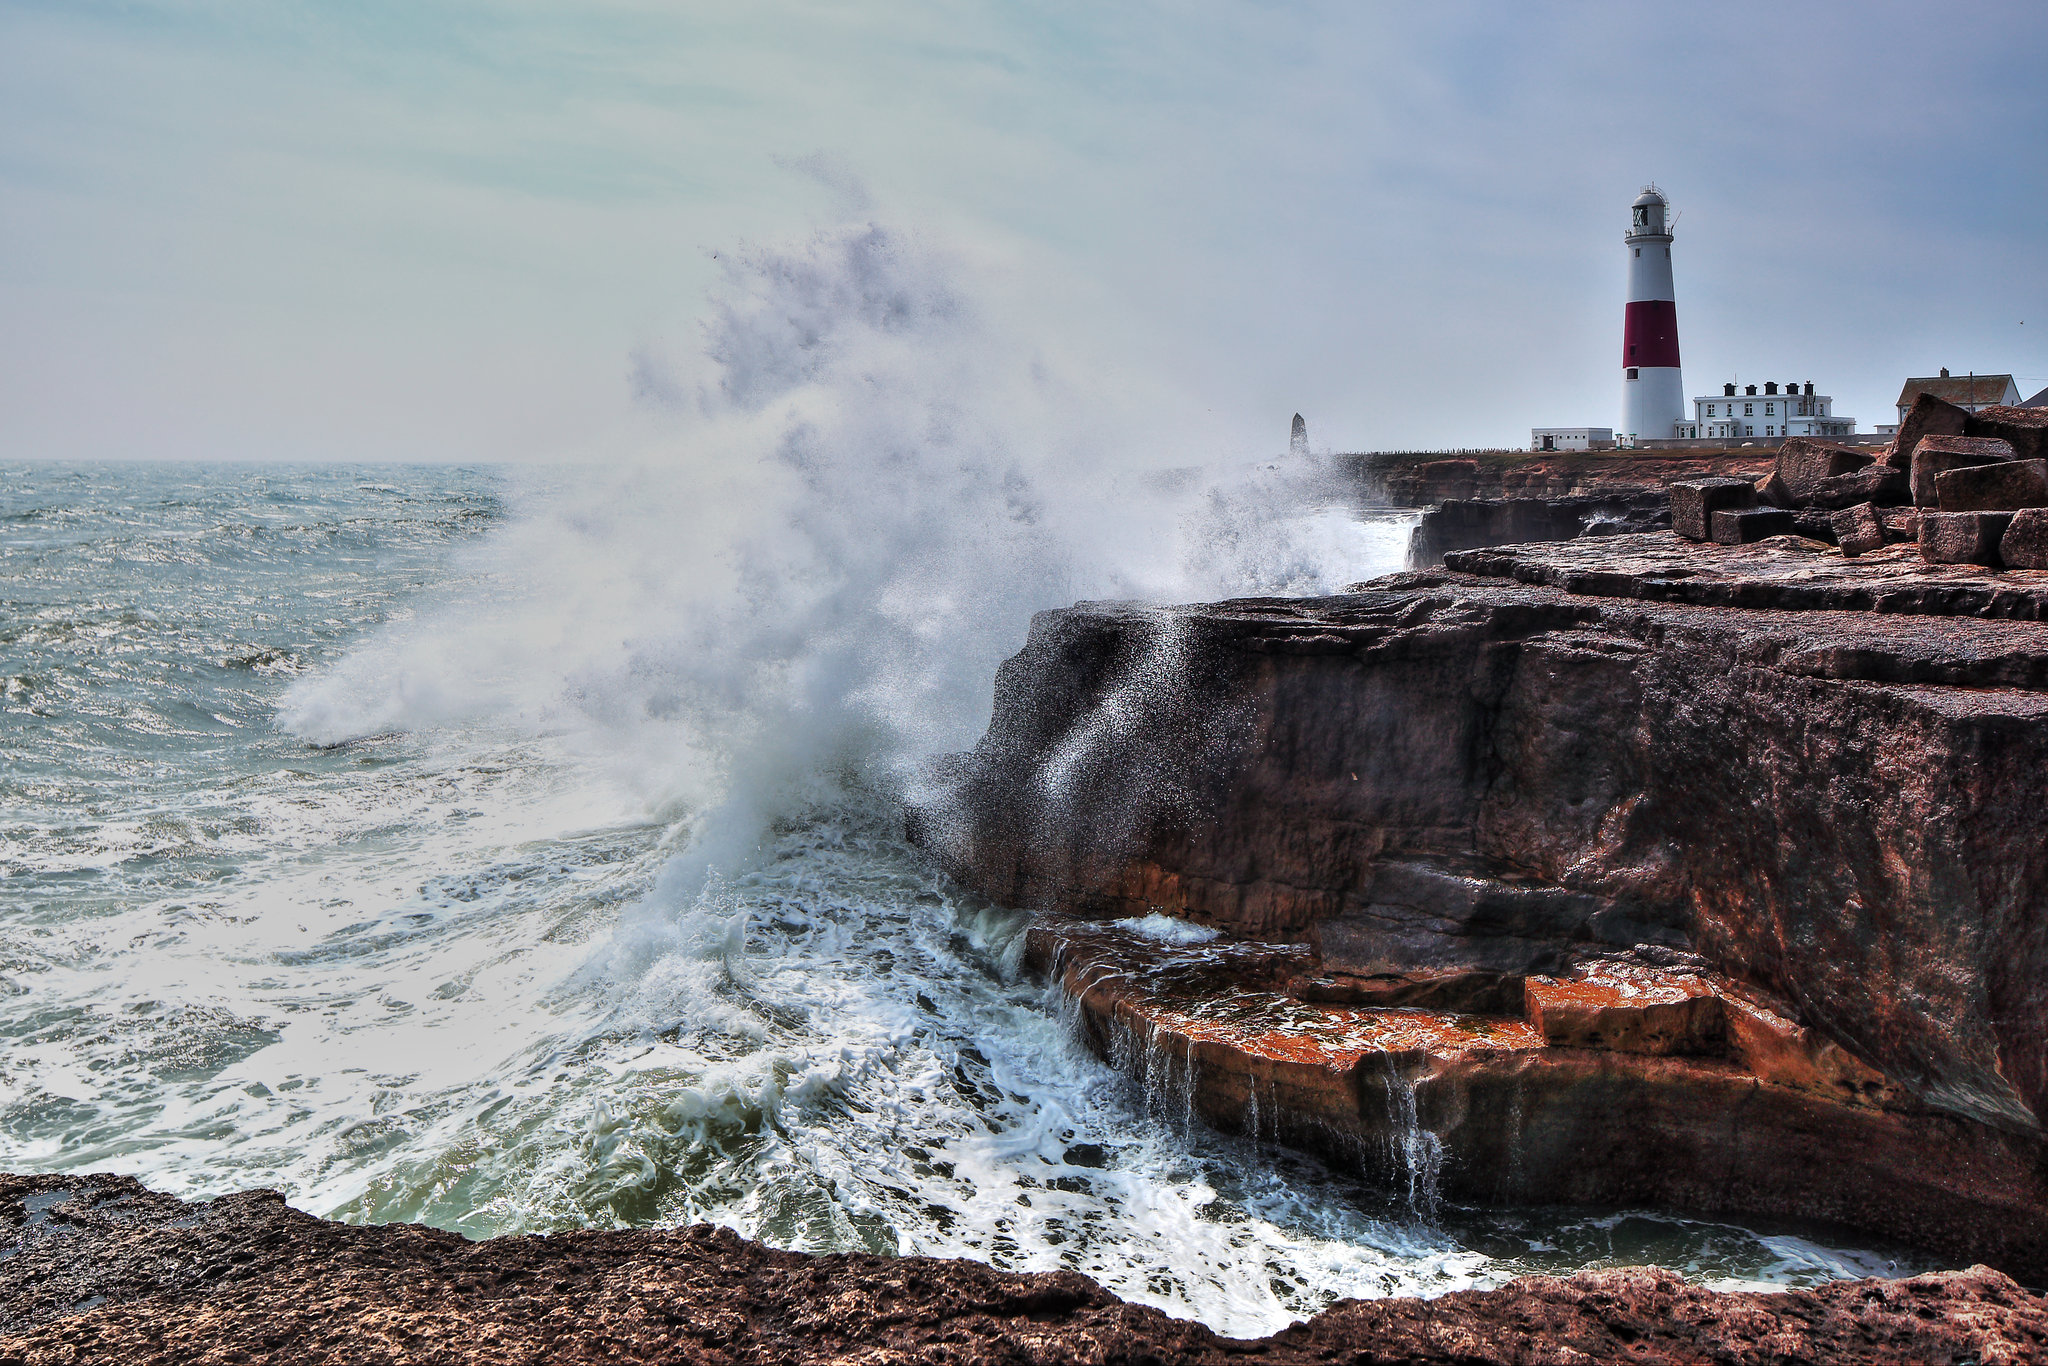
<point>588,905</point>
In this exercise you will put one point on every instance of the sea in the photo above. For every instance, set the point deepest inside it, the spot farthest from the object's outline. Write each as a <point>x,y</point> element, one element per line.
<point>517,848</point>
<point>379,975</point>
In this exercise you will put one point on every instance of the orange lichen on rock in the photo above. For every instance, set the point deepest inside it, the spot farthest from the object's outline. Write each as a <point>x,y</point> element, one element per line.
<point>1629,1009</point>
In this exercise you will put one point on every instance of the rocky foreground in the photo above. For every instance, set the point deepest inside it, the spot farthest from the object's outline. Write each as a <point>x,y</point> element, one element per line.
<point>97,1269</point>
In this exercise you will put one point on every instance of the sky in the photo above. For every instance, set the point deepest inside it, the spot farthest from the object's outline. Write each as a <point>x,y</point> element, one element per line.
<point>445,229</point>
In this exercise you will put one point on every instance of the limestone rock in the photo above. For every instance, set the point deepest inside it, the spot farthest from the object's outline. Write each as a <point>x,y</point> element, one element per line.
<point>1936,455</point>
<point>2002,486</point>
<point>2025,542</point>
<point>1961,537</point>
<point>1627,1009</point>
<point>1878,484</point>
<point>2025,429</point>
<point>1858,529</point>
<point>1805,461</point>
<point>1695,501</point>
<point>1929,416</point>
<point>1740,526</point>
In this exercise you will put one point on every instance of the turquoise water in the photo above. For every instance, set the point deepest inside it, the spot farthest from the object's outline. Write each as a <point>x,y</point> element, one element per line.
<point>439,970</point>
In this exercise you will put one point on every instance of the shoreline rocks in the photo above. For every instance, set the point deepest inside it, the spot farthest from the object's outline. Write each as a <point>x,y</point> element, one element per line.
<point>98,1268</point>
<point>1816,777</point>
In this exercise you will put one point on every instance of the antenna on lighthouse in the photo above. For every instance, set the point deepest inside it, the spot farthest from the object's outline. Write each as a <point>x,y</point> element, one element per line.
<point>1652,389</point>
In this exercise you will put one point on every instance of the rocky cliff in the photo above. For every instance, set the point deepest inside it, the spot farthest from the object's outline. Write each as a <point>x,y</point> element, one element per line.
<point>1731,862</point>
<point>98,1269</point>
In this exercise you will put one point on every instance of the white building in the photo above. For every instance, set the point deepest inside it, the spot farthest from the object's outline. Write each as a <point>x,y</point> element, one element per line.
<point>1770,414</point>
<point>1571,438</point>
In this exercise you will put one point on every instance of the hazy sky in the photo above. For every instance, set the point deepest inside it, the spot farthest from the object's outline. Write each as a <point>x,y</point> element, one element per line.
<point>443,228</point>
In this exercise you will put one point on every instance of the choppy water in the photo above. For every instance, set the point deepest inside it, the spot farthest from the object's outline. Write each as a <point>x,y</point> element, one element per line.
<point>385,976</point>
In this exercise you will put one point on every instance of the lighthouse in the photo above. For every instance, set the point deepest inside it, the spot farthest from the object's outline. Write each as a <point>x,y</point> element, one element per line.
<point>1652,394</point>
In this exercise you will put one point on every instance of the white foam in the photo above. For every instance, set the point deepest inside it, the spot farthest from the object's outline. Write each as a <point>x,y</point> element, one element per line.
<point>1170,929</point>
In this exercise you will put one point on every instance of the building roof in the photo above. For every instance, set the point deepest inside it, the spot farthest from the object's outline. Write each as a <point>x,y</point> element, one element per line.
<point>2039,400</point>
<point>1962,390</point>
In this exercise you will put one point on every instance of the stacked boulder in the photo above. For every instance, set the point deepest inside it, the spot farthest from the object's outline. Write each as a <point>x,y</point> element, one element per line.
<point>1969,488</point>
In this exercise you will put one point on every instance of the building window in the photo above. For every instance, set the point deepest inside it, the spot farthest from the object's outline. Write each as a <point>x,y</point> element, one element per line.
<point>1769,409</point>
<point>1632,369</point>
<point>1747,410</point>
<point>1770,431</point>
<point>1749,431</point>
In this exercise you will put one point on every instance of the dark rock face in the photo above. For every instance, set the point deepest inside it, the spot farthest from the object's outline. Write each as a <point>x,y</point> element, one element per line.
<point>1695,501</point>
<point>1463,524</point>
<point>1929,416</point>
<point>99,1269</point>
<point>2024,544</point>
<point>1740,526</point>
<point>1420,479</point>
<point>1999,486</point>
<point>1838,808</point>
<point>1806,463</point>
<point>2024,429</point>
<point>1858,530</point>
<point>1962,537</point>
<point>1936,455</point>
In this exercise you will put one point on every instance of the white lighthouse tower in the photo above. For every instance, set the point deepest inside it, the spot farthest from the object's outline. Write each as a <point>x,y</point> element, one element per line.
<point>1652,394</point>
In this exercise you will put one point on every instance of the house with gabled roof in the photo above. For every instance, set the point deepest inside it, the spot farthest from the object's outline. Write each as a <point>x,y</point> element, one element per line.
<point>1965,391</point>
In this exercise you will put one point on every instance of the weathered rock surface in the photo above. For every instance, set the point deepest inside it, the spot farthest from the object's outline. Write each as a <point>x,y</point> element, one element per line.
<point>1929,416</point>
<point>1420,479</point>
<point>1463,524</point>
<point>97,1269</point>
<point>1962,537</point>
<point>1822,774</point>
<point>1936,455</point>
<point>1998,486</point>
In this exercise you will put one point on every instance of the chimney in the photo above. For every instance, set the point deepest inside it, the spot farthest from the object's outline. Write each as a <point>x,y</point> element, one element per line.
<point>1728,390</point>
<point>1944,372</point>
<point>1770,386</point>
<point>1750,391</point>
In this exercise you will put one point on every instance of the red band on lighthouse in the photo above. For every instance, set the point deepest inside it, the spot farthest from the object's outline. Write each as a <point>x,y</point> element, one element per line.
<point>1649,334</point>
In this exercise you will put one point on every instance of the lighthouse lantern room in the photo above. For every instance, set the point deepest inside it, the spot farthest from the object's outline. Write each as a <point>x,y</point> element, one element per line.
<point>1652,392</point>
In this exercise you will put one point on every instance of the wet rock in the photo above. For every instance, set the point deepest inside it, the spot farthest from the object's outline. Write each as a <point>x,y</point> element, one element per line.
<point>1464,524</point>
<point>1816,785</point>
<point>2024,544</point>
<point>2000,486</point>
<point>1744,525</point>
<point>1961,537</point>
<point>1628,1009</point>
<point>1858,529</point>
<point>146,1280</point>
<point>1936,455</point>
<point>1805,463</point>
<point>1929,416</point>
<point>1414,914</point>
<point>1642,1094</point>
<point>1695,501</point>
<point>1454,991</point>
